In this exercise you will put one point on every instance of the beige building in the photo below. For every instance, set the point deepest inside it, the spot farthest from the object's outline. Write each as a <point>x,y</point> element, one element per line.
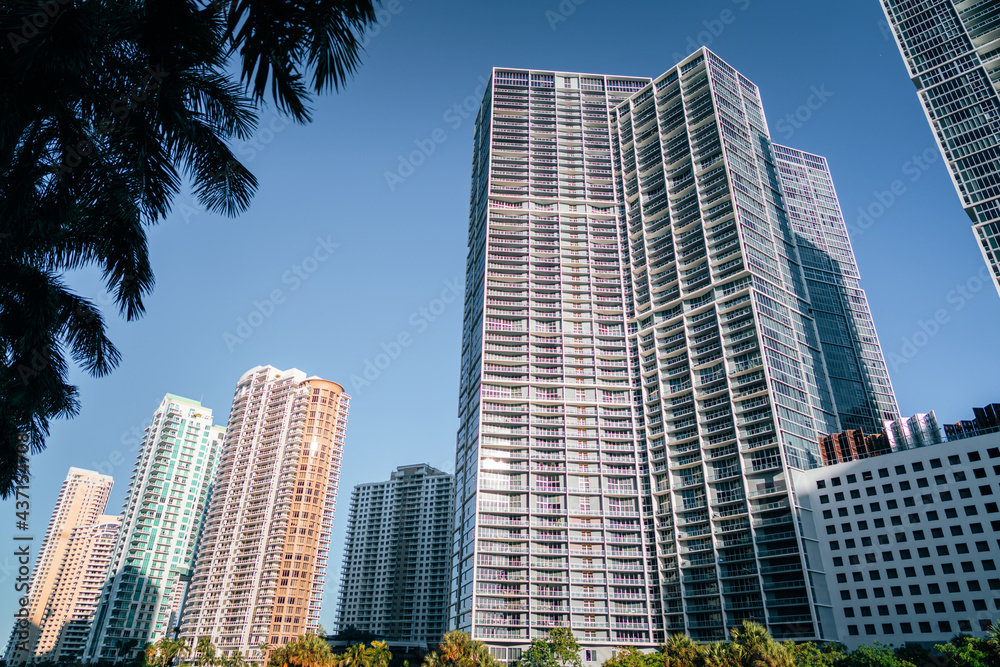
<point>262,558</point>
<point>63,590</point>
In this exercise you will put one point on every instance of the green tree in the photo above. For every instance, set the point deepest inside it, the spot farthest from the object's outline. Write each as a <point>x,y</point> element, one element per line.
<point>538,654</point>
<point>876,655</point>
<point>205,652</point>
<point>753,646</point>
<point>918,654</point>
<point>964,651</point>
<point>565,648</point>
<point>458,649</point>
<point>812,654</point>
<point>628,656</point>
<point>678,651</point>
<point>309,650</point>
<point>107,108</point>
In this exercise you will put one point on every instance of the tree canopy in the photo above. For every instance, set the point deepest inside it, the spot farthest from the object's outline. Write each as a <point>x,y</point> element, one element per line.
<point>108,108</point>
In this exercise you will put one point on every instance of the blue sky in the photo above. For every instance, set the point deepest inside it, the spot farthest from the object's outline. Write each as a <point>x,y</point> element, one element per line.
<point>357,261</point>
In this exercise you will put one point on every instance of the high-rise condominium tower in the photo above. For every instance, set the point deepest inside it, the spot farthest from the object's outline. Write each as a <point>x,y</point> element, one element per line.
<point>80,585</point>
<point>950,49</point>
<point>858,376</point>
<point>162,516</point>
<point>56,591</point>
<point>545,375</point>
<point>394,581</point>
<point>640,366</point>
<point>263,554</point>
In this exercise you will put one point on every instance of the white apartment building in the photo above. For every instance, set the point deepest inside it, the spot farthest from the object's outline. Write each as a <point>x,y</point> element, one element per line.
<point>162,516</point>
<point>909,541</point>
<point>641,366</point>
<point>262,558</point>
<point>395,576</point>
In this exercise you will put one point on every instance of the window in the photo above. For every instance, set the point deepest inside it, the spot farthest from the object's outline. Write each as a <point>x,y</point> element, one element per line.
<point>933,589</point>
<point>954,588</point>
<point>590,655</point>
<point>884,472</point>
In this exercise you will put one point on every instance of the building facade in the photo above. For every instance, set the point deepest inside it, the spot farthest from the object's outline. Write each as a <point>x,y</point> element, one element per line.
<point>262,557</point>
<point>640,366</point>
<point>548,486</point>
<point>950,50</point>
<point>395,577</point>
<point>161,519</point>
<point>55,590</point>
<point>908,541</point>
<point>858,376</point>
<point>85,572</point>
<point>852,445</point>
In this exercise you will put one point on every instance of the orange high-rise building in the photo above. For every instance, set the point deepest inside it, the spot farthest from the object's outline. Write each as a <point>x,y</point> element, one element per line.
<point>263,554</point>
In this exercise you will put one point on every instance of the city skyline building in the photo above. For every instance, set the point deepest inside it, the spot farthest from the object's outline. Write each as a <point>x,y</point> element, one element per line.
<point>545,374</point>
<point>395,575</point>
<point>950,51</point>
<point>161,519</point>
<point>916,559</point>
<point>262,558</point>
<point>84,574</point>
<point>55,587</point>
<point>856,368</point>
<point>641,367</point>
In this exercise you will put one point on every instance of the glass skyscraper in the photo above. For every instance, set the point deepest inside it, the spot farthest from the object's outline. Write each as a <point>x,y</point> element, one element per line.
<point>952,52</point>
<point>640,366</point>
<point>854,362</point>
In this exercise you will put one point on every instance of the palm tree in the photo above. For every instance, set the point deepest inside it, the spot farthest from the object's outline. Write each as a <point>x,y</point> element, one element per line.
<point>679,651</point>
<point>716,654</point>
<point>458,649</point>
<point>106,107</point>
<point>753,646</point>
<point>206,652</point>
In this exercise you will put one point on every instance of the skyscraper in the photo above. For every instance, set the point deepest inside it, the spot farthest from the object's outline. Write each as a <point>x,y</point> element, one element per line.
<point>81,582</point>
<point>854,362</point>
<point>394,581</point>
<point>640,363</point>
<point>545,376</point>
<point>950,50</point>
<point>54,588</point>
<point>161,519</point>
<point>263,554</point>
